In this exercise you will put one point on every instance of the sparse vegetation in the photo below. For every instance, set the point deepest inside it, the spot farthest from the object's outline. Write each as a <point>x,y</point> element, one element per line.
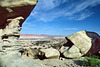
<point>92,61</point>
<point>35,57</point>
<point>56,46</point>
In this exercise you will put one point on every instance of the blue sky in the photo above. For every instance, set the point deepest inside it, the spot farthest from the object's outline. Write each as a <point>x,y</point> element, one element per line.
<point>63,17</point>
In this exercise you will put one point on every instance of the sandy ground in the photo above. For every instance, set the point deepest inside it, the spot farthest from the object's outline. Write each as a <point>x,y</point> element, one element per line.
<point>60,63</point>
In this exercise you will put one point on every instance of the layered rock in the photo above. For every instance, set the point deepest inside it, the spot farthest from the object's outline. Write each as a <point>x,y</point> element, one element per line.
<point>82,43</point>
<point>12,14</point>
<point>10,9</point>
<point>14,59</point>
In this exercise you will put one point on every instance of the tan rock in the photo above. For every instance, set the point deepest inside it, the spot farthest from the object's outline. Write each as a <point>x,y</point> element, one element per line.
<point>13,13</point>
<point>10,9</point>
<point>50,53</point>
<point>82,43</point>
<point>17,3</point>
<point>73,52</point>
<point>32,52</point>
<point>14,59</point>
<point>63,49</point>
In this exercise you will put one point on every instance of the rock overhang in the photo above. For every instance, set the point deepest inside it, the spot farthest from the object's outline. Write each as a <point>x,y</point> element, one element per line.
<point>12,15</point>
<point>14,8</point>
<point>17,3</point>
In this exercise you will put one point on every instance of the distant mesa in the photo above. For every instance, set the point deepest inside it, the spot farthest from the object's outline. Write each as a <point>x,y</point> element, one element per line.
<point>33,35</point>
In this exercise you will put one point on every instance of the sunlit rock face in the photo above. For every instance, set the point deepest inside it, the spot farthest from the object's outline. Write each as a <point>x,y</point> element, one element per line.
<point>82,43</point>
<point>12,14</point>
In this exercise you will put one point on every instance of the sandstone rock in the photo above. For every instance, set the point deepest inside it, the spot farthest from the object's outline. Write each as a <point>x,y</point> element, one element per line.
<point>12,48</point>
<point>73,52</point>
<point>13,59</point>
<point>63,49</point>
<point>13,13</point>
<point>32,52</point>
<point>50,53</point>
<point>24,52</point>
<point>10,9</point>
<point>82,43</point>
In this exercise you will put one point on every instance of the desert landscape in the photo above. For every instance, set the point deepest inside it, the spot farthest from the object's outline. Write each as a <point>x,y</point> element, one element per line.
<point>60,51</point>
<point>80,49</point>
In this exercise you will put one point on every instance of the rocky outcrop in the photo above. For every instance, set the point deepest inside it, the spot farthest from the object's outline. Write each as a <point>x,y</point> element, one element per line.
<point>10,9</point>
<point>14,59</point>
<point>82,43</point>
<point>12,14</point>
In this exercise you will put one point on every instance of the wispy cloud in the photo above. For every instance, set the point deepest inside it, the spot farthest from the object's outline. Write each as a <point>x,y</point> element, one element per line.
<point>70,28</point>
<point>81,16</point>
<point>48,10</point>
<point>27,25</point>
<point>84,15</point>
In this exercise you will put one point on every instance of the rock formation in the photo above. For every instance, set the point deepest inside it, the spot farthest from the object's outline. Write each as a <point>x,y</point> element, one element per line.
<point>12,14</point>
<point>81,43</point>
<point>50,53</point>
<point>14,59</point>
<point>12,31</point>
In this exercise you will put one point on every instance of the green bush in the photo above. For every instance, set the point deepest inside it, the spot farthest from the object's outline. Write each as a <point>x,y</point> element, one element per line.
<point>92,61</point>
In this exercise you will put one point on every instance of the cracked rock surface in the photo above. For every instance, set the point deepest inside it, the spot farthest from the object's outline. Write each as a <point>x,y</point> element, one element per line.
<point>82,43</point>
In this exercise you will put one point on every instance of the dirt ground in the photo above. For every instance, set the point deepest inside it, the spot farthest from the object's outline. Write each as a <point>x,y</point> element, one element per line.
<point>60,63</point>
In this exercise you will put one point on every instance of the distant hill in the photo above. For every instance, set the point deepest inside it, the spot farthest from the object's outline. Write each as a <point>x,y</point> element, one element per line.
<point>39,37</point>
<point>33,35</point>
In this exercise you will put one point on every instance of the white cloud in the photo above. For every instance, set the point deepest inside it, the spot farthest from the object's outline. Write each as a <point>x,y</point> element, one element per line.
<point>84,5</point>
<point>83,16</point>
<point>43,19</point>
<point>34,13</point>
<point>70,28</point>
<point>48,10</point>
<point>47,4</point>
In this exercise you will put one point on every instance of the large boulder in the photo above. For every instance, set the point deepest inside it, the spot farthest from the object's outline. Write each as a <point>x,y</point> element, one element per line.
<point>82,43</point>
<point>12,14</point>
<point>50,53</point>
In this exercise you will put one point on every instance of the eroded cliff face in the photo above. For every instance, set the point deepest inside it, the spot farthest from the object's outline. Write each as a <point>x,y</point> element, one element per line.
<point>12,14</point>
